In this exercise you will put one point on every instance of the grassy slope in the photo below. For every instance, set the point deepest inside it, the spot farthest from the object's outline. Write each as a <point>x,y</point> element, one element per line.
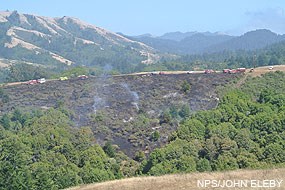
<point>187,181</point>
<point>262,70</point>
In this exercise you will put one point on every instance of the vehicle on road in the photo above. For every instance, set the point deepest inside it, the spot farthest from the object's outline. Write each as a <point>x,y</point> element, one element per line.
<point>241,70</point>
<point>208,71</point>
<point>82,77</point>
<point>226,70</point>
<point>32,82</point>
<point>233,71</point>
<point>41,80</point>
<point>63,78</point>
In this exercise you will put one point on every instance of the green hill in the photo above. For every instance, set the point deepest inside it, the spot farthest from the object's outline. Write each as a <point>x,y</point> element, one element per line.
<point>68,41</point>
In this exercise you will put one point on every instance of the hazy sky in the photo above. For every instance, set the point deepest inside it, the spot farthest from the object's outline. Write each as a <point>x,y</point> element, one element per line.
<point>135,17</point>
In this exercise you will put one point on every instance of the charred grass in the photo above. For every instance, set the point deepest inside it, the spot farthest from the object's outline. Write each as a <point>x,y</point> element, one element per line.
<point>125,110</point>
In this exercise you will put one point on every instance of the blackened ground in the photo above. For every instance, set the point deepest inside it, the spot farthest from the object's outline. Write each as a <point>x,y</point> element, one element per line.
<point>123,109</point>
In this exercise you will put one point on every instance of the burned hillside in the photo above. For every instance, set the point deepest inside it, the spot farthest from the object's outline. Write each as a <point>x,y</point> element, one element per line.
<point>125,110</point>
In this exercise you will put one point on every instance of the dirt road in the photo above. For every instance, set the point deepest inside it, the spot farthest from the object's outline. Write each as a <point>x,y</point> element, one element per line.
<point>262,70</point>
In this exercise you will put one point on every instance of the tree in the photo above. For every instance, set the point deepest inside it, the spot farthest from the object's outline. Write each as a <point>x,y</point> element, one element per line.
<point>261,60</point>
<point>109,149</point>
<point>163,168</point>
<point>226,162</point>
<point>140,156</point>
<point>185,86</point>
<point>155,136</point>
<point>24,72</point>
<point>273,60</point>
<point>274,153</point>
<point>75,71</point>
<point>186,164</point>
<point>90,174</point>
<point>265,96</point>
<point>191,129</point>
<point>3,96</point>
<point>247,160</point>
<point>14,163</point>
<point>203,165</point>
<point>166,117</point>
<point>184,111</point>
<point>6,121</point>
<point>41,172</point>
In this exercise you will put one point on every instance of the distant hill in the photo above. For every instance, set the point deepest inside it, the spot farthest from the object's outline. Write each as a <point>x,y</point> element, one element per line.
<point>67,40</point>
<point>162,45</point>
<point>198,43</point>
<point>176,36</point>
<point>249,41</point>
<point>183,43</point>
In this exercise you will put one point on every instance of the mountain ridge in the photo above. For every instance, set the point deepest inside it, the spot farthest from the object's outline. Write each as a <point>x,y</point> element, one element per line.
<point>206,42</point>
<point>69,41</point>
<point>251,40</point>
<point>178,36</point>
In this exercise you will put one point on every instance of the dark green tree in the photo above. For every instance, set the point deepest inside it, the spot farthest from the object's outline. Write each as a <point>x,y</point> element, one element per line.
<point>155,136</point>
<point>185,86</point>
<point>109,149</point>
<point>203,165</point>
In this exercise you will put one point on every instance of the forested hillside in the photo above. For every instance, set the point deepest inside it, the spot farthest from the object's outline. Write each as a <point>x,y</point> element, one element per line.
<point>270,55</point>
<point>200,43</point>
<point>40,150</point>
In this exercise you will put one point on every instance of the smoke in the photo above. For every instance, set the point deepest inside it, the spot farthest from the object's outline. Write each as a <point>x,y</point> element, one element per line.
<point>98,103</point>
<point>104,87</point>
<point>107,69</point>
<point>99,100</point>
<point>136,105</point>
<point>101,88</point>
<point>134,95</point>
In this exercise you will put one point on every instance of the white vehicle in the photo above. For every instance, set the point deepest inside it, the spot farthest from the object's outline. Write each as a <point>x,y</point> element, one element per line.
<point>42,80</point>
<point>270,68</point>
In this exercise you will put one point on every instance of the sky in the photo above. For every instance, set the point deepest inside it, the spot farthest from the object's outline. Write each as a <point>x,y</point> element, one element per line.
<point>135,17</point>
